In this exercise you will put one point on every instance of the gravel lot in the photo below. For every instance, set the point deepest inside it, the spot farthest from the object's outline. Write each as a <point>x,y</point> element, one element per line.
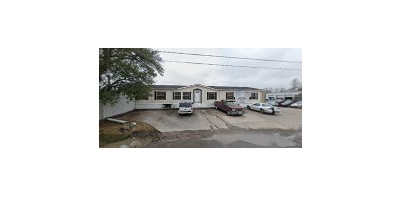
<point>210,128</point>
<point>211,119</point>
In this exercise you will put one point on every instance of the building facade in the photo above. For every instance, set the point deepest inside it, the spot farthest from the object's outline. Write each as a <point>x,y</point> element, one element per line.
<point>169,96</point>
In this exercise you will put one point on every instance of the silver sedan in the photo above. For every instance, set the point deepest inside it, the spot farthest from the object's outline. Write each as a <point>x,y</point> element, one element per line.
<point>264,108</point>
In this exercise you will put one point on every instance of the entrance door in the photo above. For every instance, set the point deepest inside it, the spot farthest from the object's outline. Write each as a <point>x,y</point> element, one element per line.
<point>197,96</point>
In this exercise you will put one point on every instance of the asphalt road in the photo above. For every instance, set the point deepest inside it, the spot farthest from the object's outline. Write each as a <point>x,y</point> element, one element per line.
<point>231,138</point>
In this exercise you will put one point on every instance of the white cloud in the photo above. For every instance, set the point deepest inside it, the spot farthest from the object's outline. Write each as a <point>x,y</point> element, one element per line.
<point>187,74</point>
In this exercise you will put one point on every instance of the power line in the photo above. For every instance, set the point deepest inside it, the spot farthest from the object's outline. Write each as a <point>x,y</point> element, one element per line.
<point>277,68</point>
<point>232,57</point>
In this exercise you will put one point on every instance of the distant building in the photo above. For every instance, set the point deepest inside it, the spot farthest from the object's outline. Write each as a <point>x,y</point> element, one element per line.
<point>292,93</point>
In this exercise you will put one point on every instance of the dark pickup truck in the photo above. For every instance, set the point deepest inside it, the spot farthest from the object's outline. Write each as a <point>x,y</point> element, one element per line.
<point>230,107</point>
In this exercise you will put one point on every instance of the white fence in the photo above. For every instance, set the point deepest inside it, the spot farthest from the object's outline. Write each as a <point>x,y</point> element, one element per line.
<point>120,107</point>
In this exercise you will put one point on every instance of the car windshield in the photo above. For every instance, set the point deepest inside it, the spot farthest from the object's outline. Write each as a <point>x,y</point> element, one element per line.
<point>185,104</point>
<point>231,103</point>
<point>266,105</point>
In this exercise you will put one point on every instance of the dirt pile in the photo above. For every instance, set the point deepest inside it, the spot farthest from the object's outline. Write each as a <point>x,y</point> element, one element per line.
<point>110,132</point>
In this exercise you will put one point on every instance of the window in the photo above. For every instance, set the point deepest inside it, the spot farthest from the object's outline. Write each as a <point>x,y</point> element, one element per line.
<point>257,104</point>
<point>254,96</point>
<point>177,95</point>
<point>187,95</point>
<point>211,95</point>
<point>229,96</point>
<point>159,95</point>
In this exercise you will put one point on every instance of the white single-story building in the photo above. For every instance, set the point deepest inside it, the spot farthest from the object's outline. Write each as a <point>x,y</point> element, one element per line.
<point>169,96</point>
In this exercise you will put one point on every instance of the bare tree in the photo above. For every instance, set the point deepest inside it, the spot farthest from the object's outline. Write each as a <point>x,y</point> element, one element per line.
<point>296,84</point>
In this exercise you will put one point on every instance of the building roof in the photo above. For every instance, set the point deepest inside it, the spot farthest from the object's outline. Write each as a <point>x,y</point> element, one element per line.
<point>293,90</point>
<point>233,88</point>
<point>168,87</point>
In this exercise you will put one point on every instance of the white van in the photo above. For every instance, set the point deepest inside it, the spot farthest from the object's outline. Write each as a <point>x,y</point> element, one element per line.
<point>185,108</point>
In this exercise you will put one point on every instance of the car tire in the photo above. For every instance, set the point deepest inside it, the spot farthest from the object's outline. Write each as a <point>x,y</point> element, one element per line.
<point>248,107</point>
<point>262,111</point>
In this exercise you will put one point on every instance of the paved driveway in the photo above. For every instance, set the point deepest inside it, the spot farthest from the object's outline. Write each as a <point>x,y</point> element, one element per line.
<point>212,119</point>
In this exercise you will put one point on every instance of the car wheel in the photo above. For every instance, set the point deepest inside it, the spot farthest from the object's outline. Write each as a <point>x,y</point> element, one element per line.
<point>248,107</point>
<point>262,111</point>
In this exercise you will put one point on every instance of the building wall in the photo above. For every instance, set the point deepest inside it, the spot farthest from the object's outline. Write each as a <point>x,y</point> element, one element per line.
<point>151,103</point>
<point>204,90</point>
<point>247,95</point>
<point>122,106</point>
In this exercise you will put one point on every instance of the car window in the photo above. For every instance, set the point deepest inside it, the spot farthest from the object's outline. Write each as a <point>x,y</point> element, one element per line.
<point>231,103</point>
<point>257,104</point>
<point>265,105</point>
<point>185,104</point>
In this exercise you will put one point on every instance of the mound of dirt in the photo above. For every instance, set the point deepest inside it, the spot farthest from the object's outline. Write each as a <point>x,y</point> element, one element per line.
<point>112,132</point>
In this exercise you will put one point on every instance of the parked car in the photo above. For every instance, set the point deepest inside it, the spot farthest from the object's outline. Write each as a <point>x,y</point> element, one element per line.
<point>296,104</point>
<point>264,108</point>
<point>230,107</point>
<point>275,102</point>
<point>286,103</point>
<point>185,108</point>
<point>272,102</point>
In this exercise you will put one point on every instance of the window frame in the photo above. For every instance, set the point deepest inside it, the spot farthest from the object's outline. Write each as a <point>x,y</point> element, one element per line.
<point>190,96</point>
<point>174,96</point>
<point>254,98</point>
<point>233,96</point>
<point>156,95</point>
<point>211,93</point>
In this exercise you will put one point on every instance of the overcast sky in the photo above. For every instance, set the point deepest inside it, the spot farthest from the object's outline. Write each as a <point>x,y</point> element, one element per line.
<point>188,74</point>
